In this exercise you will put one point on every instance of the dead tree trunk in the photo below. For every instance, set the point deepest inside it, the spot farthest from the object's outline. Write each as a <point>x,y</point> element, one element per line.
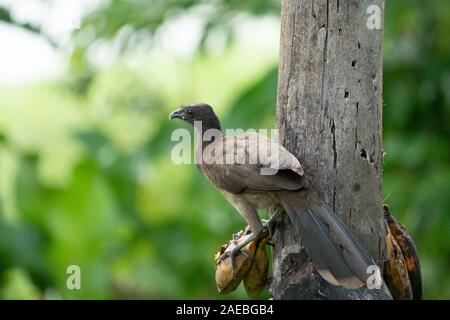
<point>329,115</point>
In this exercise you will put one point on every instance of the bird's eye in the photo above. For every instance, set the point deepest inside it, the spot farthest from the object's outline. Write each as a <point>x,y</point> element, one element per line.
<point>190,113</point>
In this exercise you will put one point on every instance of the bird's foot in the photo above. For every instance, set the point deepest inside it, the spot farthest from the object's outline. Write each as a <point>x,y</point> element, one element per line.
<point>270,223</point>
<point>237,249</point>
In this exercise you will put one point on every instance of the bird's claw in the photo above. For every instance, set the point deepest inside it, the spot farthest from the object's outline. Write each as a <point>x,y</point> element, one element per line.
<point>232,254</point>
<point>238,247</point>
<point>269,225</point>
<point>271,222</point>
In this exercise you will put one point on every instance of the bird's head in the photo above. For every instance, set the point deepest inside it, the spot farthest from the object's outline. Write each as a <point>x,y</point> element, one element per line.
<point>200,112</point>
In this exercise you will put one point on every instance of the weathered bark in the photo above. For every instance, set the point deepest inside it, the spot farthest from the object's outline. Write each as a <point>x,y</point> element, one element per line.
<point>329,115</point>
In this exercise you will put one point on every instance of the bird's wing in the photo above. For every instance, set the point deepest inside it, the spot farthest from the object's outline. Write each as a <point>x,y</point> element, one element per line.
<point>251,161</point>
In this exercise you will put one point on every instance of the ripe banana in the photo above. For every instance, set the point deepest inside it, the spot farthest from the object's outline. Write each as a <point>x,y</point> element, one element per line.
<point>395,272</point>
<point>255,280</point>
<point>226,282</point>
<point>403,242</point>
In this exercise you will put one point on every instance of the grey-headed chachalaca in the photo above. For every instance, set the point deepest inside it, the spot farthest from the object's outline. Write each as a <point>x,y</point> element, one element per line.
<point>335,253</point>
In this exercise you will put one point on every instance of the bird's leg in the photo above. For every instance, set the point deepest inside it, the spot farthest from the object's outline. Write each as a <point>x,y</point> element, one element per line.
<point>250,214</point>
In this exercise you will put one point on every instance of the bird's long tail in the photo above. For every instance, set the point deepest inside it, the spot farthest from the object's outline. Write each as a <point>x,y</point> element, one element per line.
<point>336,255</point>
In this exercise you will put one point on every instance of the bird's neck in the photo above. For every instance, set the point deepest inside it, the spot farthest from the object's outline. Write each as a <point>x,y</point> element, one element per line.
<point>206,135</point>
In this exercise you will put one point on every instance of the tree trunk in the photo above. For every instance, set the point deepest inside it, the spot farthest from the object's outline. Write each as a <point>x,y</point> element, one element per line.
<point>329,115</point>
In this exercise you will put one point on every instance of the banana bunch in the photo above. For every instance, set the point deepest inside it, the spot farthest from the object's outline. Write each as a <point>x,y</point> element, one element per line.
<point>402,269</point>
<point>251,266</point>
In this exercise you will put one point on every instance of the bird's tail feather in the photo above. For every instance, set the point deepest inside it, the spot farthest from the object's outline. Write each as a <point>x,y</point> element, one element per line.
<point>338,258</point>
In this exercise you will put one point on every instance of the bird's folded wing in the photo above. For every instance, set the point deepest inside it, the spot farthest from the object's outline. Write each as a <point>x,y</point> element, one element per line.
<point>238,163</point>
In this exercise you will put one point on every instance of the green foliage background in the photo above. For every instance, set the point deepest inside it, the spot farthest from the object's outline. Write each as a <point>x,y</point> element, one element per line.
<point>85,170</point>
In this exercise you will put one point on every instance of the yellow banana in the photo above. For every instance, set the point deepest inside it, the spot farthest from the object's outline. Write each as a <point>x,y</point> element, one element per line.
<point>256,278</point>
<point>226,282</point>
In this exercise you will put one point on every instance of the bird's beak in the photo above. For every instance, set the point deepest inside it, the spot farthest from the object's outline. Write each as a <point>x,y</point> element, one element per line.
<point>177,114</point>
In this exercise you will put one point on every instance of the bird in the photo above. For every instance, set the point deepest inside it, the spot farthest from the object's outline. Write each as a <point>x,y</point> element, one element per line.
<point>283,187</point>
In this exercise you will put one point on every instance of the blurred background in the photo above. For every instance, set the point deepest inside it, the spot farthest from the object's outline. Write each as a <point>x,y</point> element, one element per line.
<point>85,172</point>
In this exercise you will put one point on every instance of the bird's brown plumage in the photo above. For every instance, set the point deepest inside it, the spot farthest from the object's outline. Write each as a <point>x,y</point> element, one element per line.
<point>240,167</point>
